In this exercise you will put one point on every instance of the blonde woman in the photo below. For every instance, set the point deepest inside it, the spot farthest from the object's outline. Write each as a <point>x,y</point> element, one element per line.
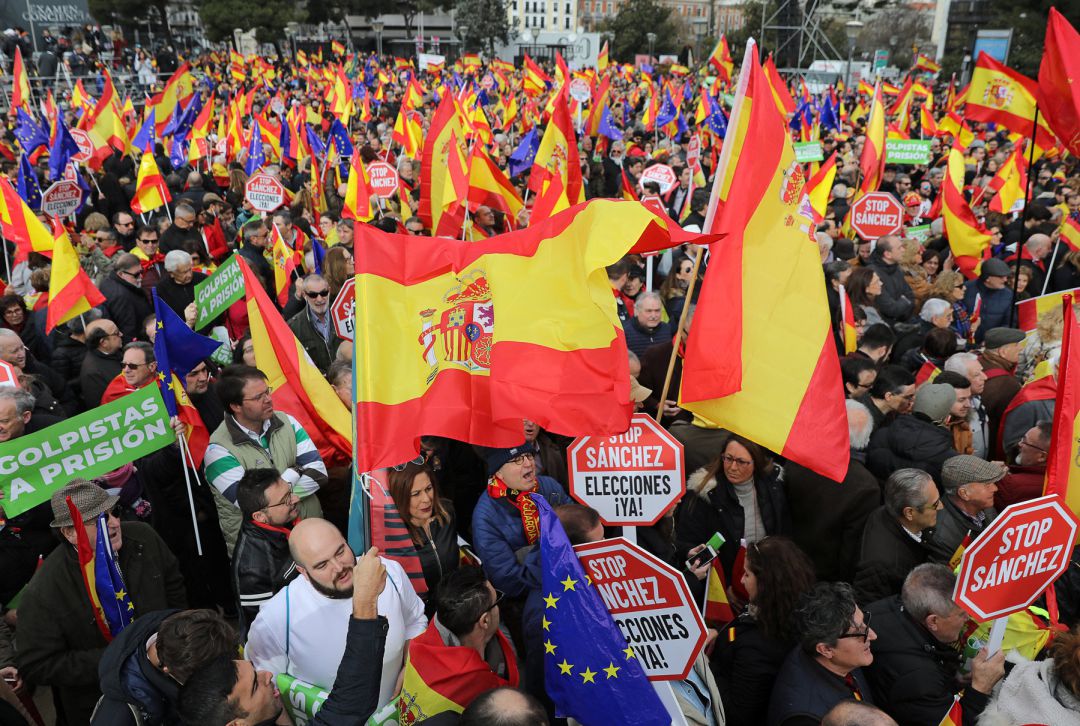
<point>1042,342</point>
<point>949,286</point>
<point>915,274</point>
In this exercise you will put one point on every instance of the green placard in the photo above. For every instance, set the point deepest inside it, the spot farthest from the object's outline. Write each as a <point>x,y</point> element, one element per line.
<point>32,467</point>
<point>881,59</point>
<point>300,699</point>
<point>808,151</point>
<point>907,151</point>
<point>919,233</point>
<point>215,294</point>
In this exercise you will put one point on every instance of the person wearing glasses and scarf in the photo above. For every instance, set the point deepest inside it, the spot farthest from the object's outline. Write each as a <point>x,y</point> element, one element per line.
<point>739,495</point>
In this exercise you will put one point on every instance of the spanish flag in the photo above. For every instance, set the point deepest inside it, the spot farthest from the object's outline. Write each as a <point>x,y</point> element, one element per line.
<point>925,63</point>
<point>71,293</point>
<point>488,185</point>
<point>556,174</point>
<point>534,80</point>
<point>720,60</point>
<point>602,58</point>
<point>819,186</point>
<point>926,373</point>
<point>1070,234</point>
<point>955,716</point>
<point>453,343</point>
<point>446,127</point>
<point>104,585</point>
<point>1058,97</point>
<point>20,225</point>
<point>150,189</point>
<point>1063,464</point>
<point>784,102</point>
<point>1010,183</point>
<point>358,193</point>
<point>1029,311</point>
<point>285,264</point>
<point>872,161</point>
<point>20,82</point>
<point>178,89</point>
<point>847,320</point>
<point>717,608</point>
<point>776,378</point>
<point>968,239</point>
<point>998,94</point>
<point>299,388</point>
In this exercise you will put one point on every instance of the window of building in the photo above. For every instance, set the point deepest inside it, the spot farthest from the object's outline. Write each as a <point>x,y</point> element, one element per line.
<point>566,24</point>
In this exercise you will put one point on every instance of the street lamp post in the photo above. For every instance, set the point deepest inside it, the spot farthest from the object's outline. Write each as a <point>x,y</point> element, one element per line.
<point>464,30</point>
<point>377,26</point>
<point>652,43</point>
<point>852,28</point>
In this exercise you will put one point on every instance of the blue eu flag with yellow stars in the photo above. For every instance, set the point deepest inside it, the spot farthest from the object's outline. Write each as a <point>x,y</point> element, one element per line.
<point>590,672</point>
<point>116,605</point>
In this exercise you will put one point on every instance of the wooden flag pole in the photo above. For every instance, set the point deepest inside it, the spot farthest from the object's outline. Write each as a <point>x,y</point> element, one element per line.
<point>679,333</point>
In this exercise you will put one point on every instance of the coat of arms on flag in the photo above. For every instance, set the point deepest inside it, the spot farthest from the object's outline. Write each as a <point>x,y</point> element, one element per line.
<point>460,334</point>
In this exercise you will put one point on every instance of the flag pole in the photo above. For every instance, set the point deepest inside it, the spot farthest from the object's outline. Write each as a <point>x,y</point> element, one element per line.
<point>679,333</point>
<point>1049,267</point>
<point>1028,189</point>
<point>184,457</point>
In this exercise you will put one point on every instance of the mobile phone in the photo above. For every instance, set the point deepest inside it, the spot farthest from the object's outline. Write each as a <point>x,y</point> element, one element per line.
<point>708,554</point>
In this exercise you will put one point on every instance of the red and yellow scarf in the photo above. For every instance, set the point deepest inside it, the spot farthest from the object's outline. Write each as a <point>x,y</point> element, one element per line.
<point>530,516</point>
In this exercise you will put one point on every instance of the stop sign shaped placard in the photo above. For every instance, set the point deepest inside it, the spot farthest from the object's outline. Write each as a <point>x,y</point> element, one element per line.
<point>877,214</point>
<point>1016,558</point>
<point>343,310</point>
<point>650,603</point>
<point>264,192</point>
<point>61,199</point>
<point>632,478</point>
<point>384,179</point>
<point>662,174</point>
<point>86,146</point>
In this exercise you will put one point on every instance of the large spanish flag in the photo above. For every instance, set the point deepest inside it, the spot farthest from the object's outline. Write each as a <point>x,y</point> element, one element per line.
<point>968,238</point>
<point>299,389</point>
<point>872,161</point>
<point>464,339</point>
<point>1063,464</point>
<point>998,94</point>
<point>1029,311</point>
<point>71,293</point>
<point>760,358</point>
<point>1059,99</point>
<point>556,174</point>
<point>447,129</point>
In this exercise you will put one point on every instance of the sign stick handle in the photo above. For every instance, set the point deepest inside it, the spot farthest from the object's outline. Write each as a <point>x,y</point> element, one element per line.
<point>648,274</point>
<point>182,442</point>
<point>630,534</point>
<point>7,261</point>
<point>997,635</point>
<point>679,334</point>
<point>1050,267</point>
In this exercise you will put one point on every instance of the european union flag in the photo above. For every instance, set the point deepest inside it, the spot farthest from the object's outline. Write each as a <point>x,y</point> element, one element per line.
<point>318,253</point>
<point>830,116</point>
<point>607,126</point>
<point>144,139</point>
<point>256,158</point>
<point>28,184</point>
<point>667,112</point>
<point>113,596</point>
<point>590,671</point>
<point>339,137</point>
<point>177,347</point>
<point>63,148</point>
<point>716,120</point>
<point>318,148</point>
<point>31,136</point>
<point>522,158</point>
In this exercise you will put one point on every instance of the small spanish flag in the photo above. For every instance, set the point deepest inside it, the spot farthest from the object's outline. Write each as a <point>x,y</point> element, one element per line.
<point>927,373</point>
<point>717,606</point>
<point>847,316</point>
<point>955,715</point>
<point>1070,234</point>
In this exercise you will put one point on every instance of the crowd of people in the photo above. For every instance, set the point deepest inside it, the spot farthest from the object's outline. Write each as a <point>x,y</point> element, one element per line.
<point>841,591</point>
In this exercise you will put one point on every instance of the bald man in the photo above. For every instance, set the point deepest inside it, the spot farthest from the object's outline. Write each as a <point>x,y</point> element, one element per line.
<point>103,361</point>
<point>853,713</point>
<point>315,608</point>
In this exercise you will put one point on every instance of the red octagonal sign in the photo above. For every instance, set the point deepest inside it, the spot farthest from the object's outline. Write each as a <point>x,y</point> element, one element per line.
<point>343,310</point>
<point>1026,548</point>
<point>662,174</point>
<point>632,478</point>
<point>877,214</point>
<point>264,192</point>
<point>650,603</point>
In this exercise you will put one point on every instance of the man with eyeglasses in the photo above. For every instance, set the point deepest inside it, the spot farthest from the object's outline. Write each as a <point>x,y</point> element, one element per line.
<point>126,302</point>
<point>1027,467</point>
<point>999,356</point>
<point>462,651</point>
<point>201,389</point>
<point>894,540</point>
<point>915,673</point>
<point>51,391</point>
<point>183,229</point>
<point>146,246</point>
<point>261,563</point>
<point>139,370</point>
<point>256,236</point>
<point>826,666</point>
<point>255,436</point>
<point>313,326</point>
<point>59,644</point>
<point>313,610</point>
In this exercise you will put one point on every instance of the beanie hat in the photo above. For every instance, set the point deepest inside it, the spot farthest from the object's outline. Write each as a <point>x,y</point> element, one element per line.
<point>495,458</point>
<point>934,400</point>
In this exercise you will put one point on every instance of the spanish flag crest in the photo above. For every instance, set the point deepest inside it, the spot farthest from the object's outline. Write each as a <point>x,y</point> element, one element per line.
<point>459,335</point>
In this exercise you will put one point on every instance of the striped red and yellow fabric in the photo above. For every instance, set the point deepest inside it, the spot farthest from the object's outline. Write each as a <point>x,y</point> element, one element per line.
<point>927,372</point>
<point>998,94</point>
<point>718,608</point>
<point>20,82</point>
<point>299,389</point>
<point>968,239</point>
<point>1070,233</point>
<point>464,339</point>
<point>955,716</point>
<point>1063,463</point>
<point>847,318</point>
<point>1029,311</point>
<point>489,186</point>
<point>1058,97</point>
<point>775,378</point>
<point>71,293</point>
<point>150,189</point>
<point>446,126</point>
<point>872,161</point>
<point>819,186</point>
<point>20,225</point>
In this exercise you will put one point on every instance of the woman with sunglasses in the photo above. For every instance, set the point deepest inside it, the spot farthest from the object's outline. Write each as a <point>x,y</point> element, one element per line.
<point>430,521</point>
<point>740,496</point>
<point>751,650</point>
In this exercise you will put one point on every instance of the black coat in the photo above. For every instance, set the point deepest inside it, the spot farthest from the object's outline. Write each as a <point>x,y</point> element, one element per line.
<point>322,351</point>
<point>125,304</point>
<point>828,517</point>
<point>261,566</point>
<point>67,359</point>
<point>709,507</point>
<point>258,264</point>
<point>912,441</point>
<point>98,370</point>
<point>639,339</point>
<point>913,674</point>
<point>173,238</point>
<point>745,663</point>
<point>896,303</point>
<point>805,691</point>
<point>178,297</point>
<point>886,556</point>
<point>130,683</point>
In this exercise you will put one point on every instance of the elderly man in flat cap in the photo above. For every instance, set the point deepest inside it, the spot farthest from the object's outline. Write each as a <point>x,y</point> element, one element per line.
<point>969,484</point>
